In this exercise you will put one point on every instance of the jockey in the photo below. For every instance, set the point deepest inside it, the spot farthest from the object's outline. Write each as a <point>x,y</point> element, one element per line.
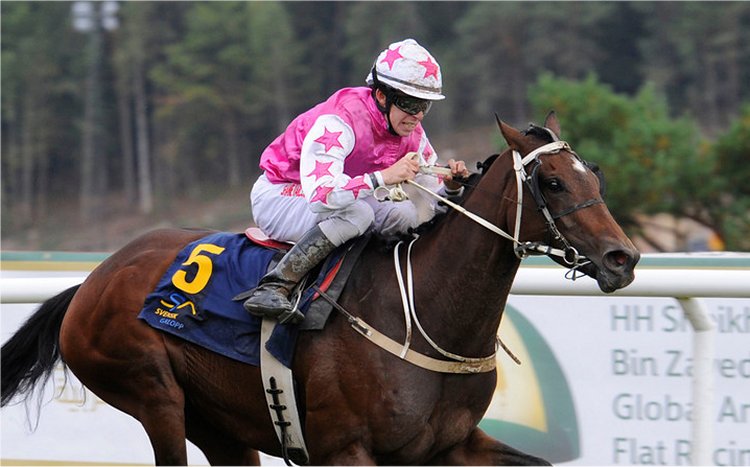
<point>320,175</point>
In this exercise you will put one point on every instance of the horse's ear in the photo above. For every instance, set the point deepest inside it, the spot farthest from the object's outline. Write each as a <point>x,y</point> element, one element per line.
<point>512,136</point>
<point>552,123</point>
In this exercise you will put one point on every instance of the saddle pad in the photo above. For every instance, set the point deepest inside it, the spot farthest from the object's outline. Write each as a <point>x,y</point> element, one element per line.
<point>193,299</point>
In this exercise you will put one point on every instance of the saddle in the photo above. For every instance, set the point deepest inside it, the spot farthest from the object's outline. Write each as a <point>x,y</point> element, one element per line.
<point>255,235</point>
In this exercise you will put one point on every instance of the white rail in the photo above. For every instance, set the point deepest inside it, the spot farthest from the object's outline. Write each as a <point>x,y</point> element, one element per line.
<point>686,285</point>
<point>34,290</point>
<point>532,280</point>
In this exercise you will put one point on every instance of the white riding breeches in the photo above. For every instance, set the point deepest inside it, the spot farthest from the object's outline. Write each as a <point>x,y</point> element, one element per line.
<point>282,212</point>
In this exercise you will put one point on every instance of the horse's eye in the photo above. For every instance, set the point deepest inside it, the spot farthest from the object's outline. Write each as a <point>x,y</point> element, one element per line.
<point>554,185</point>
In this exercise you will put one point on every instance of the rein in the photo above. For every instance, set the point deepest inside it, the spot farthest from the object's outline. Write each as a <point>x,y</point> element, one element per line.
<point>410,312</point>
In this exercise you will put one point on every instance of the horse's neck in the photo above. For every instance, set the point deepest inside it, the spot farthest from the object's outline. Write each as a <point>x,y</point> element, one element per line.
<point>471,268</point>
<point>475,247</point>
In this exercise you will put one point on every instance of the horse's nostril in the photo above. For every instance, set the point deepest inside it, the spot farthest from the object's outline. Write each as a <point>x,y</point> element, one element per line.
<point>618,258</point>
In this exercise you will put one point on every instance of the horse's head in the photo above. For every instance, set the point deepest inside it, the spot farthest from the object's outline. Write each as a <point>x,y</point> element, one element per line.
<point>568,212</point>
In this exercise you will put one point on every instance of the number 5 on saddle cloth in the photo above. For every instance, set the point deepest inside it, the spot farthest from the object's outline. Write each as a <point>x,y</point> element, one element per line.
<point>193,299</point>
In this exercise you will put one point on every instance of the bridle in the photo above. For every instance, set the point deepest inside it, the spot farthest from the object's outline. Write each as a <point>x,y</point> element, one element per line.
<point>568,254</point>
<point>530,178</point>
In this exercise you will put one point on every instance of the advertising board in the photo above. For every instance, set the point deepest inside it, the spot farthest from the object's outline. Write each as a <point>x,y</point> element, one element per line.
<point>627,364</point>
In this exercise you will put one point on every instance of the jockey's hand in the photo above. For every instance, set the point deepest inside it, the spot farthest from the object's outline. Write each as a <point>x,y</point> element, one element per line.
<point>458,170</point>
<point>405,168</point>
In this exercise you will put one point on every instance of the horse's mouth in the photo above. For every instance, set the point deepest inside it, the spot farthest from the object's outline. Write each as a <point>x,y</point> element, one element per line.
<point>608,284</point>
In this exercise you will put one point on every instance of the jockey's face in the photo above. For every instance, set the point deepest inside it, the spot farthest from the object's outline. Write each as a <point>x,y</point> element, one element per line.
<point>403,123</point>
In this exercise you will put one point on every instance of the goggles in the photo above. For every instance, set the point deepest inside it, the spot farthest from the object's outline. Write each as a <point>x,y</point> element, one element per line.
<point>411,105</point>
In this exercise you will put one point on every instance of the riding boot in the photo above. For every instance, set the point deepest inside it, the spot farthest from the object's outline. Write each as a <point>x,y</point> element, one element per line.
<point>271,297</point>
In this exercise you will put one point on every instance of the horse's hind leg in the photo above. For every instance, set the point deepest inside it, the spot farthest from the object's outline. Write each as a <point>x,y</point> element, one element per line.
<point>121,358</point>
<point>481,449</point>
<point>164,421</point>
<point>154,398</point>
<point>134,375</point>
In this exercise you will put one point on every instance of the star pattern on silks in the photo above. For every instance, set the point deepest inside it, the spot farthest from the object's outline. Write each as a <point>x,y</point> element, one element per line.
<point>321,194</point>
<point>356,185</point>
<point>391,56</point>
<point>431,68</point>
<point>330,139</point>
<point>321,169</point>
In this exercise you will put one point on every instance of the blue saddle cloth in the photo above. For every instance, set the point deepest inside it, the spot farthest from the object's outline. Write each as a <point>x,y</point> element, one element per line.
<point>193,299</point>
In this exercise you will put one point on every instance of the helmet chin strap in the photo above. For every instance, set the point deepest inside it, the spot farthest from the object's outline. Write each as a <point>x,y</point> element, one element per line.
<point>387,113</point>
<point>386,110</point>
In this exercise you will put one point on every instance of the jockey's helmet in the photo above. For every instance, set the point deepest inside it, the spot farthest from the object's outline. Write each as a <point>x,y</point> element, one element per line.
<point>408,67</point>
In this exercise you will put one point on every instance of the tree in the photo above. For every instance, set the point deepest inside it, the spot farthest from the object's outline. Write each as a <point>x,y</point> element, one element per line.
<point>698,54</point>
<point>729,197</point>
<point>192,92</point>
<point>131,61</point>
<point>92,157</point>
<point>653,163</point>
<point>370,27</point>
<point>277,79</point>
<point>42,70</point>
<point>225,78</point>
<point>488,62</point>
<point>320,51</point>
<point>503,46</point>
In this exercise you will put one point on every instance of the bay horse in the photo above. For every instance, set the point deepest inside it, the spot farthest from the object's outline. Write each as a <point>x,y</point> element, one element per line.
<point>360,405</point>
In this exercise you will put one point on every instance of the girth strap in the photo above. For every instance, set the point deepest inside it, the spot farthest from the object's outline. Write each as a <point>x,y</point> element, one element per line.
<point>479,365</point>
<point>278,384</point>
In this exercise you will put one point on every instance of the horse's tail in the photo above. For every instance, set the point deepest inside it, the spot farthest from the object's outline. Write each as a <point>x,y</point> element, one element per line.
<point>31,354</point>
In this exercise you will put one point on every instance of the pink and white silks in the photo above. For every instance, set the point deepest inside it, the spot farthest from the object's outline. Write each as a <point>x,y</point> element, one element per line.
<point>324,168</point>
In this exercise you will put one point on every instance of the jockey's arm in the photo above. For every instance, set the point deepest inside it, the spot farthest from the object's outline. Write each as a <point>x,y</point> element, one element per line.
<point>324,150</point>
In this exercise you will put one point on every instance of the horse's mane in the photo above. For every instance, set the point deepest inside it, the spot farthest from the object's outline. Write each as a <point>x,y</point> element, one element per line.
<point>539,132</point>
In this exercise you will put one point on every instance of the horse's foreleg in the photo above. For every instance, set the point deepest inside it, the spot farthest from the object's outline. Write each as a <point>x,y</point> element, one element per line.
<point>481,449</point>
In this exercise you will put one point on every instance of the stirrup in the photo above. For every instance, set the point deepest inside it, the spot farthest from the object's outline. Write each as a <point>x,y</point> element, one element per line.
<point>285,312</point>
<point>283,316</point>
<point>293,316</point>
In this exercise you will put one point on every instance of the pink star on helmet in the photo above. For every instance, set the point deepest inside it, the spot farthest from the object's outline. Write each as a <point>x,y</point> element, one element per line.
<point>391,56</point>
<point>330,139</point>
<point>431,68</point>
<point>357,184</point>
<point>321,169</point>
<point>321,194</point>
